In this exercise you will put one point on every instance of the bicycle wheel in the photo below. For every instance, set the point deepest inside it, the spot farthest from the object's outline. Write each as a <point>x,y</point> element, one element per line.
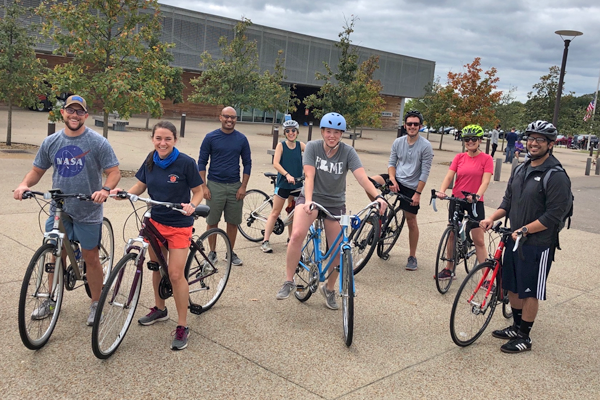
<point>441,262</point>
<point>208,277</point>
<point>470,258</point>
<point>306,279</point>
<point>390,232</point>
<point>255,212</point>
<point>37,317</point>
<point>364,241</point>
<point>347,296</point>
<point>106,252</point>
<point>506,308</point>
<point>472,310</point>
<point>116,307</point>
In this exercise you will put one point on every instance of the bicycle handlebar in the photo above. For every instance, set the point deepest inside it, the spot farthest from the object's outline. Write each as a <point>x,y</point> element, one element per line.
<point>373,204</point>
<point>201,210</point>
<point>434,197</point>
<point>385,190</point>
<point>56,194</point>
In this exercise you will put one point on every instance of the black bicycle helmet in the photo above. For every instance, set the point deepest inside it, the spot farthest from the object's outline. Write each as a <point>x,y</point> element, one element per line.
<point>414,113</point>
<point>543,128</point>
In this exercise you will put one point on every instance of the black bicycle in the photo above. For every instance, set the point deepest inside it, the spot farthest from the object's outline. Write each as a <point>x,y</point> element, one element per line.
<point>456,245</point>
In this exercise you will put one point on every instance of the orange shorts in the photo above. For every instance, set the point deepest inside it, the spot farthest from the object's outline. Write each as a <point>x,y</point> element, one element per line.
<point>177,238</point>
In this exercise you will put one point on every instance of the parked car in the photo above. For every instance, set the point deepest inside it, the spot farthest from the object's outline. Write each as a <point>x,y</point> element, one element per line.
<point>47,102</point>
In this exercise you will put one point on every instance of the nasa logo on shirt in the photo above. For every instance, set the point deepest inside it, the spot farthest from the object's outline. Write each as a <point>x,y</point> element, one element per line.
<point>173,178</point>
<point>70,161</point>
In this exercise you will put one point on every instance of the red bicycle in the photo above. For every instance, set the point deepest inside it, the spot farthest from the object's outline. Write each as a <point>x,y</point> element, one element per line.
<point>479,294</point>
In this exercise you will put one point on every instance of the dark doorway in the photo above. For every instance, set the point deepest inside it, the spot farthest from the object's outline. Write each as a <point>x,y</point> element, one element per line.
<point>299,116</point>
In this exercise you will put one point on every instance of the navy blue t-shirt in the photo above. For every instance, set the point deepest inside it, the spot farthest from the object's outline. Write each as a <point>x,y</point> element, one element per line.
<point>171,185</point>
<point>225,151</point>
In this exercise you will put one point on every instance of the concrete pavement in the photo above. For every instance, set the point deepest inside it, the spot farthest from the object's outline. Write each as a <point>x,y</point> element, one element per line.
<point>251,346</point>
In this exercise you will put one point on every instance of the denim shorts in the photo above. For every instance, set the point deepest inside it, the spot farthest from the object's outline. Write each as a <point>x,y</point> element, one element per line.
<point>88,235</point>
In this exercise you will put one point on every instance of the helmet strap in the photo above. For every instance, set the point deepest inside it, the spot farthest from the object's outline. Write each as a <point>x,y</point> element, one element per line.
<point>331,148</point>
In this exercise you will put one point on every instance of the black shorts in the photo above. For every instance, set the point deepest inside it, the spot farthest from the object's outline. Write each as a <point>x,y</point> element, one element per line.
<point>408,192</point>
<point>479,208</point>
<point>285,193</point>
<point>526,277</point>
<point>337,211</point>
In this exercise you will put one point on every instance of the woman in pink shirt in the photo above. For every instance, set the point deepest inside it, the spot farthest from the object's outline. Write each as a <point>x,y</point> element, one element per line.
<point>473,170</point>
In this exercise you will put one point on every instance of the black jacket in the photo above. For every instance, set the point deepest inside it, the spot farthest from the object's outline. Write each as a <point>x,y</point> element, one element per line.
<point>525,200</point>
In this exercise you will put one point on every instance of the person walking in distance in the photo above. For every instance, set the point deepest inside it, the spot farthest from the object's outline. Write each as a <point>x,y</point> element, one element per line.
<point>511,139</point>
<point>288,163</point>
<point>494,139</point>
<point>78,156</point>
<point>223,191</point>
<point>536,207</point>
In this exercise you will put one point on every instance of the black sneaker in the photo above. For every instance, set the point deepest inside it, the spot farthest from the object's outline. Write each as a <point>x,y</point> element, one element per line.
<point>506,333</point>
<point>517,345</point>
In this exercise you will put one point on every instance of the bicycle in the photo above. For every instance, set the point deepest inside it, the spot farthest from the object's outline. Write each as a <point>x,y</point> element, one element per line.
<point>39,291</point>
<point>478,295</point>
<point>310,270</point>
<point>121,293</point>
<point>457,231</point>
<point>257,208</point>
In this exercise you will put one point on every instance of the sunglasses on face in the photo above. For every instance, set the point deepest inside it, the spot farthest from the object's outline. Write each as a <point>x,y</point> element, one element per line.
<point>412,123</point>
<point>229,116</point>
<point>70,110</point>
<point>291,130</point>
<point>470,139</point>
<point>534,139</point>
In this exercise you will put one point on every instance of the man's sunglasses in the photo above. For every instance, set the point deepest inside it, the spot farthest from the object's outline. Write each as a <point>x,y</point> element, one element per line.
<point>471,139</point>
<point>71,111</point>
<point>412,123</point>
<point>291,130</point>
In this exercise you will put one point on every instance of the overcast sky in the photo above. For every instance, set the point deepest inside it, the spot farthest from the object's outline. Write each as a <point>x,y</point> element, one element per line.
<point>515,36</point>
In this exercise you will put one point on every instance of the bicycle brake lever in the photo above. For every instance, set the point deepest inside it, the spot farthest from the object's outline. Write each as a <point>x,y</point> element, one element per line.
<point>516,246</point>
<point>474,209</point>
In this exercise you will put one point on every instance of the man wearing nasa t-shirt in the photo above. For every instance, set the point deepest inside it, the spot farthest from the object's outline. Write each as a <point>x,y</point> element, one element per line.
<point>78,156</point>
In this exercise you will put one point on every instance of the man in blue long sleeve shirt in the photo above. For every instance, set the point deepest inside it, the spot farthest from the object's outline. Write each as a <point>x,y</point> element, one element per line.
<point>223,191</point>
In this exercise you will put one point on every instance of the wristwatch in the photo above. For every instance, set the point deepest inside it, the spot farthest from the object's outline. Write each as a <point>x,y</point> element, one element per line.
<point>106,188</point>
<point>524,231</point>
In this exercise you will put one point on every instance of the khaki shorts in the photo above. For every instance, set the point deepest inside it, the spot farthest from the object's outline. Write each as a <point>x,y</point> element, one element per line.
<point>222,200</point>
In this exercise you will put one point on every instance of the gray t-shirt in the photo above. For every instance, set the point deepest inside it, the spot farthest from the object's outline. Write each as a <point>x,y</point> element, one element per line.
<point>412,161</point>
<point>495,135</point>
<point>330,175</point>
<point>78,164</point>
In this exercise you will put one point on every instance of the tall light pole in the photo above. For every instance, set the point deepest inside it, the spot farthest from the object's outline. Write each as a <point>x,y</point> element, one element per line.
<point>570,36</point>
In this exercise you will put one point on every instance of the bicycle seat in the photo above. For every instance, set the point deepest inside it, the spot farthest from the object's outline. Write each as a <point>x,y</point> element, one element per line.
<point>271,175</point>
<point>202,211</point>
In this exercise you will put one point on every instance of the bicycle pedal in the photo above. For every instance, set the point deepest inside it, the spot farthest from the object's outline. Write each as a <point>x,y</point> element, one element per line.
<point>196,309</point>
<point>300,288</point>
<point>386,257</point>
<point>153,266</point>
<point>49,267</point>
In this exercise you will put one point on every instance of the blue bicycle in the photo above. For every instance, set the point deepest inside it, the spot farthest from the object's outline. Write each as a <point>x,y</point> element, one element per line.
<point>310,269</point>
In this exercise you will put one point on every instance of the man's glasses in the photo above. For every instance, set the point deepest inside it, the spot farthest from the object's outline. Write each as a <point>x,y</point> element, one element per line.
<point>412,123</point>
<point>229,116</point>
<point>536,139</point>
<point>71,111</point>
<point>470,139</point>
<point>291,130</point>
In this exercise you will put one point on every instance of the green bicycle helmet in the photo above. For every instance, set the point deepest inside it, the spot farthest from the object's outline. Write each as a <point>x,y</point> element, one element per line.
<point>472,131</point>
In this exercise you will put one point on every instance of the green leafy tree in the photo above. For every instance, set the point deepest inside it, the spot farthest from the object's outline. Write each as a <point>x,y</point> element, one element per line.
<point>20,70</point>
<point>510,113</point>
<point>234,79</point>
<point>112,62</point>
<point>351,90</point>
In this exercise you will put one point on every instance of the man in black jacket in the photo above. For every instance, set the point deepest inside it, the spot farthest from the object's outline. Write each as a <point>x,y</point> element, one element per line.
<point>536,209</point>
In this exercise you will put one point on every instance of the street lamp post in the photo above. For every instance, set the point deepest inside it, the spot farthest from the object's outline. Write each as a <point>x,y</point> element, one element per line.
<point>571,35</point>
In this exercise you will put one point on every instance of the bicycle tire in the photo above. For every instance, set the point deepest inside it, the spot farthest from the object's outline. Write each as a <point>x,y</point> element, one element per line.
<point>207,281</point>
<point>364,240</point>
<point>255,214</point>
<point>390,232</point>
<point>347,297</point>
<point>506,308</point>
<point>467,327</point>
<point>116,307</point>
<point>35,289</point>
<point>306,277</point>
<point>441,261</point>
<point>106,253</point>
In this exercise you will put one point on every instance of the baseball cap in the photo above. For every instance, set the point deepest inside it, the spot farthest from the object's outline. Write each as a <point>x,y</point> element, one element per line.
<point>75,99</point>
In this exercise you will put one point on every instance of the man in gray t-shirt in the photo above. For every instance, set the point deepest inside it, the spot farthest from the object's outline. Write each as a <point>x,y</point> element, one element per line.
<point>494,139</point>
<point>79,156</point>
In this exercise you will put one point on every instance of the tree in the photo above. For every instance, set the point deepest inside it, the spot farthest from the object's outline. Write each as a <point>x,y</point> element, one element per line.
<point>351,90</point>
<point>475,98</point>
<point>234,79</point>
<point>541,100</point>
<point>510,113</point>
<point>111,59</point>
<point>20,70</point>
<point>434,105</point>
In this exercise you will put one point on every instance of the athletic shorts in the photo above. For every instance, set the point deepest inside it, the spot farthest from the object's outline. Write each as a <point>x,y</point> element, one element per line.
<point>285,193</point>
<point>408,192</point>
<point>469,209</point>
<point>337,211</point>
<point>88,235</point>
<point>177,238</point>
<point>526,277</point>
<point>223,201</point>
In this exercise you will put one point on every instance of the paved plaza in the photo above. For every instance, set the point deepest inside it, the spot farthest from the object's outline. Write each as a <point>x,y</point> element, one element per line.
<point>252,346</point>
